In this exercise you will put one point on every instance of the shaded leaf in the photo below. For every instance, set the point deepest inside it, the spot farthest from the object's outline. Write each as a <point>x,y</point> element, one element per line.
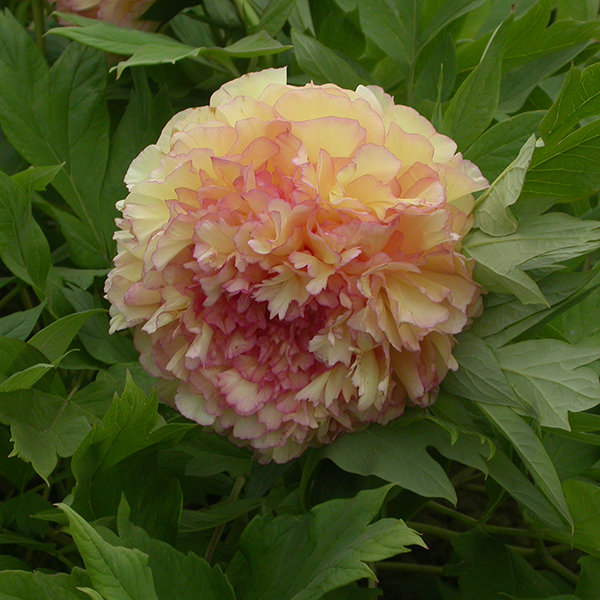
<point>324,549</point>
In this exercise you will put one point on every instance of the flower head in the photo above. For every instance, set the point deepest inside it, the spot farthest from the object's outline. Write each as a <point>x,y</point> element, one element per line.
<point>290,257</point>
<point>125,13</point>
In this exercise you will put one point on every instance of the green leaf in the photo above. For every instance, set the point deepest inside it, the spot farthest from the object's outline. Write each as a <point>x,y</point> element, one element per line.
<point>499,467</point>
<point>506,318</point>
<point>153,48</point>
<point>19,325</point>
<point>588,586</point>
<point>324,65</point>
<point>497,146</point>
<point>492,212</point>
<point>475,103</point>
<point>141,125</point>
<point>275,15</point>
<point>23,380</point>
<point>532,453</point>
<point>489,565</point>
<point>23,246</point>
<point>541,243</point>
<point>324,549</point>
<point>116,573</point>
<point>116,456</point>
<point>20,585</point>
<point>549,377</point>
<point>479,376</point>
<point>37,178</point>
<point>567,170</point>
<point>579,98</point>
<point>176,575</point>
<point>442,62</point>
<point>200,520</point>
<point>398,453</point>
<point>59,115</point>
<point>53,341</point>
<point>517,84</point>
<point>43,427</point>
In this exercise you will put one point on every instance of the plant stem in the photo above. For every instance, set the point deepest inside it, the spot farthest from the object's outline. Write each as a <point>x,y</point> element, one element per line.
<point>37,8</point>
<point>450,512</point>
<point>8,297</point>
<point>448,534</point>
<point>410,568</point>
<point>559,568</point>
<point>218,532</point>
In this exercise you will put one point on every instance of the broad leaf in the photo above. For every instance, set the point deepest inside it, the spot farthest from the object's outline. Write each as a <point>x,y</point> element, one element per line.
<point>549,377</point>
<point>115,572</point>
<point>43,427</point>
<point>176,575</point>
<point>53,341</point>
<point>324,549</point>
<point>19,325</point>
<point>324,65</point>
<point>23,246</point>
<point>531,451</point>
<point>579,98</point>
<point>479,376</point>
<point>550,239</point>
<point>21,585</point>
<point>36,178</point>
<point>496,148</point>
<point>492,212</point>
<point>59,115</point>
<point>398,453</point>
<point>474,105</point>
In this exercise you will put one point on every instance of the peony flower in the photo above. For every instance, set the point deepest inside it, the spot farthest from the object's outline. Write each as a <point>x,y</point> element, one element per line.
<point>290,258</point>
<point>125,13</point>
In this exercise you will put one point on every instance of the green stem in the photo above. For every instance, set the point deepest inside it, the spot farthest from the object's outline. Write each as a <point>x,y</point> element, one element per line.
<point>10,295</point>
<point>559,568</point>
<point>450,512</point>
<point>448,534</point>
<point>410,568</point>
<point>218,532</point>
<point>39,27</point>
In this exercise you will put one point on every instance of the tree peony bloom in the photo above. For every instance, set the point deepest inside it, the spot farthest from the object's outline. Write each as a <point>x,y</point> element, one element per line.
<point>290,257</point>
<point>125,13</point>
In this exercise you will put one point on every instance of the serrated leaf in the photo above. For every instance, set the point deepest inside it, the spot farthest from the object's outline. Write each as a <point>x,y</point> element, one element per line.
<point>544,242</point>
<point>323,549</point>
<point>53,340</point>
<point>492,212</point>
<point>116,573</point>
<point>475,103</point>
<point>398,453</point>
<point>23,246</point>
<point>531,451</point>
<point>43,427</point>
<point>549,376</point>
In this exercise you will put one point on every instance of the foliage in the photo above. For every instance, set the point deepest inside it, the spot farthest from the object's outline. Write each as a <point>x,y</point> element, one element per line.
<point>109,494</point>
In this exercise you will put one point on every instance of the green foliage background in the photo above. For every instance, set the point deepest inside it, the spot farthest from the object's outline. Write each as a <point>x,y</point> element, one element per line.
<point>493,492</point>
